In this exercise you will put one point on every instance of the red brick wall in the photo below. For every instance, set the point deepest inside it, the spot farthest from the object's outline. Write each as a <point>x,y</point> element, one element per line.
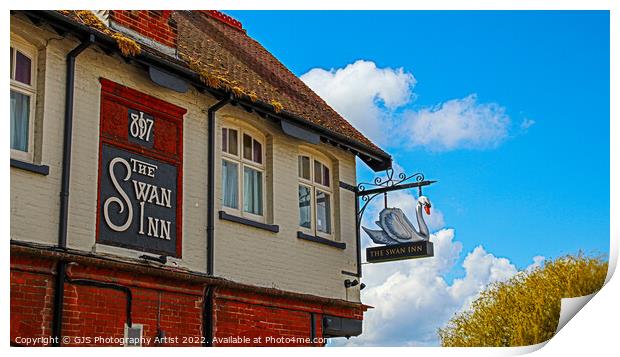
<point>32,294</point>
<point>269,320</point>
<point>91,311</point>
<point>94,311</point>
<point>239,319</point>
<point>154,24</point>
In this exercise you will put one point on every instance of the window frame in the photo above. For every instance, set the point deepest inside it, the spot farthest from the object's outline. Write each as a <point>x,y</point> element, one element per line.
<point>241,164</point>
<point>314,186</point>
<point>30,51</point>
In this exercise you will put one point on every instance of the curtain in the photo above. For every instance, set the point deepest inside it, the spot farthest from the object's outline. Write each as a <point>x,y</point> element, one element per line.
<point>304,207</point>
<point>252,191</point>
<point>20,115</point>
<point>229,184</point>
<point>323,212</point>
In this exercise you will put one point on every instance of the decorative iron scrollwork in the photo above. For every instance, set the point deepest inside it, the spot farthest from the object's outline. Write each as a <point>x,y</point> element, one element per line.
<point>369,190</point>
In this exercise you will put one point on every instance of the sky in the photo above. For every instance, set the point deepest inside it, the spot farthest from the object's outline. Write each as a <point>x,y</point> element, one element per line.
<point>508,111</point>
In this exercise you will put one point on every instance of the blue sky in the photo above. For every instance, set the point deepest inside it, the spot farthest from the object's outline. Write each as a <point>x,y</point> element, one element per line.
<point>527,174</point>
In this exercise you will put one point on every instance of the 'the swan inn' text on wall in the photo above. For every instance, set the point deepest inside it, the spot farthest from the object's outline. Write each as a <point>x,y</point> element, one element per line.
<point>139,204</point>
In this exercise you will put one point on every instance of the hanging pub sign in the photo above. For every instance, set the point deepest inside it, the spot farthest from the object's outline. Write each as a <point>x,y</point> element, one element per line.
<point>139,203</point>
<point>398,237</point>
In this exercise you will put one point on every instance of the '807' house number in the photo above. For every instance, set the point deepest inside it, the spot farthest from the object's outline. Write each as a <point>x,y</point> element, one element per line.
<point>141,128</point>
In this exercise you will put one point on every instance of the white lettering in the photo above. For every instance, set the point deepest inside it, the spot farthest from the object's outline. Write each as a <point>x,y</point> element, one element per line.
<point>154,195</point>
<point>117,200</point>
<point>143,168</point>
<point>141,218</point>
<point>165,197</point>
<point>153,227</point>
<point>165,230</point>
<point>140,127</point>
<point>158,228</point>
<point>143,190</point>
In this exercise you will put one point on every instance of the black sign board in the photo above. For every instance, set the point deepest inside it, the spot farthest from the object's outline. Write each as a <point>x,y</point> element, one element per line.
<point>420,249</point>
<point>138,202</point>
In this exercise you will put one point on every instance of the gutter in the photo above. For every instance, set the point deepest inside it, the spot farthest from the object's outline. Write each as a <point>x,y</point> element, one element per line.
<point>64,187</point>
<point>376,159</point>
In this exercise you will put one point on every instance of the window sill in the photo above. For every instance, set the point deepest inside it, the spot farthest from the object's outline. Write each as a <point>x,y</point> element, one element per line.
<point>331,243</point>
<point>37,169</point>
<point>248,222</point>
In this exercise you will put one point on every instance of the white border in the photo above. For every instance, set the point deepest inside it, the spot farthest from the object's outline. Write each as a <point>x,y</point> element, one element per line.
<point>592,331</point>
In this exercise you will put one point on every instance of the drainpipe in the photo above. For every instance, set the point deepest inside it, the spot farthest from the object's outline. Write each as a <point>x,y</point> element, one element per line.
<point>312,329</point>
<point>207,319</point>
<point>64,188</point>
<point>358,244</point>
<point>211,180</point>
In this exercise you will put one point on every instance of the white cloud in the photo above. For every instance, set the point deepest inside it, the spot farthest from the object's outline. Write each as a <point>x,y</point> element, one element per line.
<point>458,123</point>
<point>412,299</point>
<point>538,262</point>
<point>364,94</point>
<point>527,123</point>
<point>369,97</point>
<point>481,268</point>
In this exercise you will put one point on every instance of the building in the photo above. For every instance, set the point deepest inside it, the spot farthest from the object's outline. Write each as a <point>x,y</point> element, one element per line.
<point>170,178</point>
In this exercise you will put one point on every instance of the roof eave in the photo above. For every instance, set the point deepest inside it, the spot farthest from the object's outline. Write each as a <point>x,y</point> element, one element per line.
<point>377,160</point>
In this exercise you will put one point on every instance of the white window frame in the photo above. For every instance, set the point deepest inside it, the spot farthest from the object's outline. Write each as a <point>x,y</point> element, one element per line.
<point>314,186</point>
<point>29,51</point>
<point>241,164</point>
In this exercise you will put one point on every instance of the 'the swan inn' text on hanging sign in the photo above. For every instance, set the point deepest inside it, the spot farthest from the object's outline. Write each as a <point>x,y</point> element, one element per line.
<point>140,171</point>
<point>421,249</point>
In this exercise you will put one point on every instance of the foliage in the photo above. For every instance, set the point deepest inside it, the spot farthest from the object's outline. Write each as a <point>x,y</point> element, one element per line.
<point>214,78</point>
<point>524,310</point>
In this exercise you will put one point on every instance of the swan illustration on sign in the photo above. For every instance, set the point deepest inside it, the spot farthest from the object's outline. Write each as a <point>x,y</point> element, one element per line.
<point>396,227</point>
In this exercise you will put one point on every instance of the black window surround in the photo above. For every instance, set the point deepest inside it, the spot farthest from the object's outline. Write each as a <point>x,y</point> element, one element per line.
<point>248,222</point>
<point>316,239</point>
<point>37,169</point>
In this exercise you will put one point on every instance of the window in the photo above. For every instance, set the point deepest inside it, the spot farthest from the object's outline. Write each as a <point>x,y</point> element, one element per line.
<point>243,172</point>
<point>23,91</point>
<point>315,195</point>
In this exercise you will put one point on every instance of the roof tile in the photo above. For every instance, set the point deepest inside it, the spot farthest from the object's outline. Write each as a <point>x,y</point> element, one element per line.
<point>226,57</point>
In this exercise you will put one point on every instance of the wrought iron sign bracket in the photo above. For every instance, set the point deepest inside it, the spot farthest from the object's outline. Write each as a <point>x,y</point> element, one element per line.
<point>382,185</point>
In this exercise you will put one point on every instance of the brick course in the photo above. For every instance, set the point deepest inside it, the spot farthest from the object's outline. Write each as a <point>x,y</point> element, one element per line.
<point>158,303</point>
<point>277,321</point>
<point>31,304</point>
<point>156,25</point>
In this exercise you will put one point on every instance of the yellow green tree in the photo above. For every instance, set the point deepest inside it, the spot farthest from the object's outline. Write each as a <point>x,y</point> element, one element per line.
<point>524,310</point>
